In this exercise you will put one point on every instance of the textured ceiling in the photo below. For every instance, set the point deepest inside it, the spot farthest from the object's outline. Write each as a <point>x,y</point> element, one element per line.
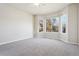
<point>43,8</point>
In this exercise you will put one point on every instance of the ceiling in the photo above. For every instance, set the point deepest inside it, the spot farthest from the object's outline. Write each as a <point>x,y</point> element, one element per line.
<point>43,8</point>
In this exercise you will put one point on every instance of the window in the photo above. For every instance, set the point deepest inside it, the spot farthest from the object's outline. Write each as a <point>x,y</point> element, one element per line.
<point>48,25</point>
<point>64,19</point>
<point>55,24</point>
<point>52,24</point>
<point>40,25</point>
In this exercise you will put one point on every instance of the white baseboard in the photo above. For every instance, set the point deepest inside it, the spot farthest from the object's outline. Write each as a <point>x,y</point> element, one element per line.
<point>65,41</point>
<point>12,41</point>
<point>73,43</point>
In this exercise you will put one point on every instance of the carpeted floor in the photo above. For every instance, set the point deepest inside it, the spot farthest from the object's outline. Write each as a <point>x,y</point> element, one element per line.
<point>39,47</point>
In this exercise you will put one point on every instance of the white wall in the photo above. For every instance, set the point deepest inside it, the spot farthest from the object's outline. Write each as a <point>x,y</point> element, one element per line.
<point>78,24</point>
<point>71,36</point>
<point>14,24</point>
<point>72,23</point>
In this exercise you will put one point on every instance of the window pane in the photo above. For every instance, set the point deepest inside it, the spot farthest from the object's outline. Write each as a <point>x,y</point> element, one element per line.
<point>63,23</point>
<point>48,25</point>
<point>52,24</point>
<point>55,24</point>
<point>40,25</point>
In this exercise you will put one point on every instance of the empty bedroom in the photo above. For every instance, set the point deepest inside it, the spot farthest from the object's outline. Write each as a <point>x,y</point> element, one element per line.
<point>39,29</point>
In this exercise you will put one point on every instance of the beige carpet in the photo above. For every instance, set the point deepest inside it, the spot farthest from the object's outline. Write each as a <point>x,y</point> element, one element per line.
<point>39,47</point>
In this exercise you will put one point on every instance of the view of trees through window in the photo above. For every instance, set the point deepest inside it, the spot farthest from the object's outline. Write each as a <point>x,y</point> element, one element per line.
<point>40,25</point>
<point>52,24</point>
<point>48,25</point>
